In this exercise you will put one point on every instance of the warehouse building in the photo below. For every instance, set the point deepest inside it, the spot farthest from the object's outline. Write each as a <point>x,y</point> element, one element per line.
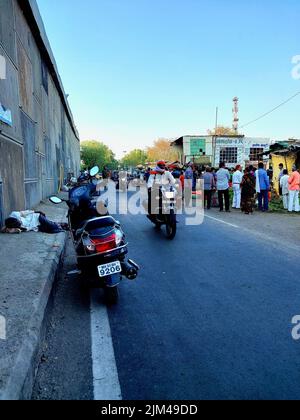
<point>211,150</point>
<point>39,143</point>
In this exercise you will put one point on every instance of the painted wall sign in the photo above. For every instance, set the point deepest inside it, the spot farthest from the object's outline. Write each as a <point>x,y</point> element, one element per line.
<point>198,147</point>
<point>5,115</point>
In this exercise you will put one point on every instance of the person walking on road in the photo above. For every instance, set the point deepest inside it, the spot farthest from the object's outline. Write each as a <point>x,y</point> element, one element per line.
<point>262,187</point>
<point>223,187</point>
<point>236,185</point>
<point>284,185</point>
<point>248,192</point>
<point>294,187</point>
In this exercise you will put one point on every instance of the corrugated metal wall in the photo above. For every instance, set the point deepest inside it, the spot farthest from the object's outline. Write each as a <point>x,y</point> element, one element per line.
<point>41,146</point>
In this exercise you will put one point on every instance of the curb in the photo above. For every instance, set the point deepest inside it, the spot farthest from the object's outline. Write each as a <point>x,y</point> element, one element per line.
<point>20,383</point>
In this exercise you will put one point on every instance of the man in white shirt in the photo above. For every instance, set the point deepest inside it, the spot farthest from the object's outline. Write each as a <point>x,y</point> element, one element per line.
<point>31,221</point>
<point>236,185</point>
<point>160,177</point>
<point>223,187</point>
<point>284,185</point>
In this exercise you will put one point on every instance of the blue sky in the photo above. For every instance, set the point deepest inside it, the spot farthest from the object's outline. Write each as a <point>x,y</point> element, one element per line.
<point>137,70</point>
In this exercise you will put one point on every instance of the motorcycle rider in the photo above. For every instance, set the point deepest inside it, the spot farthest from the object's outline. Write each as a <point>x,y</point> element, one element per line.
<point>159,177</point>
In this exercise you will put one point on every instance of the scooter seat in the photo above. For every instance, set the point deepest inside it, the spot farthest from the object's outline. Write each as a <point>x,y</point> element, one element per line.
<point>97,223</point>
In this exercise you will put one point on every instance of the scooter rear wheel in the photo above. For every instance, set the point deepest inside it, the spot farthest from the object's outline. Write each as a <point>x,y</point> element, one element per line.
<point>112,295</point>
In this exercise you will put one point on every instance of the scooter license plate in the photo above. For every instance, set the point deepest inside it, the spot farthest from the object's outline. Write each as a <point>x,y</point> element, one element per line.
<point>109,269</point>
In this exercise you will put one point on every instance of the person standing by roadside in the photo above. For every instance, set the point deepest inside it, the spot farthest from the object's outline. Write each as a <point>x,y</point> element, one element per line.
<point>284,185</point>
<point>294,188</point>
<point>188,184</point>
<point>223,187</point>
<point>236,185</point>
<point>281,169</point>
<point>262,188</point>
<point>248,191</point>
<point>209,185</point>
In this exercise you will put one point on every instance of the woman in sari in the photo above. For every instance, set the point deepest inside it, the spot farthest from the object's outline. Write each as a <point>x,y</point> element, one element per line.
<point>248,191</point>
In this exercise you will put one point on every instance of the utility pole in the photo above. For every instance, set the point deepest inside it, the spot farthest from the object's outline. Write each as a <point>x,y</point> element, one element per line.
<point>217,120</point>
<point>235,111</point>
<point>215,136</point>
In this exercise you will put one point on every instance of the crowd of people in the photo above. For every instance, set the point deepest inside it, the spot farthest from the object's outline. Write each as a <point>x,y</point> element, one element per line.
<point>250,186</point>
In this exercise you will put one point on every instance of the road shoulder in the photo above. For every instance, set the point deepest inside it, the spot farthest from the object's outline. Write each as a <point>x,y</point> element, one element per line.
<point>28,266</point>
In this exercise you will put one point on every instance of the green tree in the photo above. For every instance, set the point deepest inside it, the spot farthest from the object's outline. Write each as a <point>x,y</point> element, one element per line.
<point>95,153</point>
<point>135,158</point>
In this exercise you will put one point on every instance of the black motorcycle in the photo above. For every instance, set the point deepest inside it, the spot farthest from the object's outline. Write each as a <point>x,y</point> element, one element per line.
<point>99,241</point>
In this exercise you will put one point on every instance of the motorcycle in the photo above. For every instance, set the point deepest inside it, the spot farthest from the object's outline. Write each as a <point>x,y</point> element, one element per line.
<point>122,183</point>
<point>165,211</point>
<point>100,242</point>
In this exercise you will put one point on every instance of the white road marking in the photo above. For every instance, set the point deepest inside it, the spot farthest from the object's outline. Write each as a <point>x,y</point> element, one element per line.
<point>105,373</point>
<point>222,221</point>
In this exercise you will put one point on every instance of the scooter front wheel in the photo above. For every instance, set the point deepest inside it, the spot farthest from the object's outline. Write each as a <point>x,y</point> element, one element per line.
<point>171,227</point>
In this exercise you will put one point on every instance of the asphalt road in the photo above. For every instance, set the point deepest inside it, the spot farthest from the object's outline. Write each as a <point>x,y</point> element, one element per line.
<point>209,318</point>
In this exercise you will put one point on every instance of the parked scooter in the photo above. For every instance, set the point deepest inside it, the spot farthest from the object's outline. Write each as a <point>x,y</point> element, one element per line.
<point>100,242</point>
<point>165,211</point>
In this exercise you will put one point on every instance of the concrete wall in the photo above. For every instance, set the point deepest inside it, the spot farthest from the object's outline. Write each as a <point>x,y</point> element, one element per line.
<point>41,145</point>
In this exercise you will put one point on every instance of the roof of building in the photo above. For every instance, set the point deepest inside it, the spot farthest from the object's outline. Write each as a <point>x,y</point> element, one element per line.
<point>33,16</point>
<point>284,147</point>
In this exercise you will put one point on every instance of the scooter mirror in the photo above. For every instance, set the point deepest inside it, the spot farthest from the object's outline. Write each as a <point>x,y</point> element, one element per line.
<point>94,171</point>
<point>55,200</point>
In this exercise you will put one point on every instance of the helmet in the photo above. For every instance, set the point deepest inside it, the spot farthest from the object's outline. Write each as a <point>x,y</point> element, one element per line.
<point>161,164</point>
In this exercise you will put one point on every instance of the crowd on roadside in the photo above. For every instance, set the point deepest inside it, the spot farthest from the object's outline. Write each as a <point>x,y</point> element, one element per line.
<point>250,186</point>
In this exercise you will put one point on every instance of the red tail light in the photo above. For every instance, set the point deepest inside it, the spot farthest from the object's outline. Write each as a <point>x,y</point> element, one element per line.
<point>105,244</point>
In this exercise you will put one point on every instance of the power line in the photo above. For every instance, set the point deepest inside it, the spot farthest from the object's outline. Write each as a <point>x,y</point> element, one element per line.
<point>272,110</point>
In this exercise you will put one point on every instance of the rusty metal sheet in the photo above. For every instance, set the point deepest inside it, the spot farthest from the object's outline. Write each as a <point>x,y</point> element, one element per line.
<point>12,180</point>
<point>49,158</point>
<point>9,97</point>
<point>45,75</point>
<point>45,113</point>
<point>7,34</point>
<point>40,145</point>
<point>22,29</point>
<point>36,62</point>
<point>1,205</point>
<point>29,137</point>
<point>25,81</point>
<point>32,195</point>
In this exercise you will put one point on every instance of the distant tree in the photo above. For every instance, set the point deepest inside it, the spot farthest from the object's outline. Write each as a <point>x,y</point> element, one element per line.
<point>95,153</point>
<point>162,150</point>
<point>222,131</point>
<point>134,158</point>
